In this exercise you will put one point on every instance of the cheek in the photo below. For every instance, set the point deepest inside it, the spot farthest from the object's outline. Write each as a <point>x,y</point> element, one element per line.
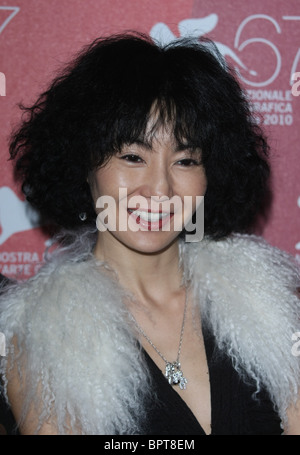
<point>195,185</point>
<point>202,184</point>
<point>105,185</point>
<point>110,180</point>
<point>101,183</point>
<point>94,187</point>
<point>203,188</point>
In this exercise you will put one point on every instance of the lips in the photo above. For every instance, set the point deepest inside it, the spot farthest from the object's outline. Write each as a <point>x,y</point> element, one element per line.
<point>148,215</point>
<point>150,220</point>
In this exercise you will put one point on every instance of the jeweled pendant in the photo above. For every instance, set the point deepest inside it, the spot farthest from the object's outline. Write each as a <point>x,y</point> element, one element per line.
<point>174,375</point>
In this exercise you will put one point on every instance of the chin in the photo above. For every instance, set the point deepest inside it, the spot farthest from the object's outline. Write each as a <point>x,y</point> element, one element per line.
<point>149,242</point>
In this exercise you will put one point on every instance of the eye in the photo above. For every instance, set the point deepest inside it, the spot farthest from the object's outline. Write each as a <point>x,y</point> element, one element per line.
<point>132,158</point>
<point>186,162</point>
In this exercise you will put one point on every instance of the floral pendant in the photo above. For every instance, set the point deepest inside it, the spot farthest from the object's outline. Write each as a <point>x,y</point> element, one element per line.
<point>174,375</point>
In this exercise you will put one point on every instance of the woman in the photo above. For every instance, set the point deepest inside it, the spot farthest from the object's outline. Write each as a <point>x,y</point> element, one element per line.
<point>130,126</point>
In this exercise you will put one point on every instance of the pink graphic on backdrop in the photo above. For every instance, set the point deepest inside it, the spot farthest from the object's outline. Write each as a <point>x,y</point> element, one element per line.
<point>9,14</point>
<point>15,215</point>
<point>195,28</point>
<point>203,26</point>
<point>12,11</point>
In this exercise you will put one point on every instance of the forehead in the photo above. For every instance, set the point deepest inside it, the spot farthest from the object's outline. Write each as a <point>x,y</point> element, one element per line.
<point>161,130</point>
<point>160,140</point>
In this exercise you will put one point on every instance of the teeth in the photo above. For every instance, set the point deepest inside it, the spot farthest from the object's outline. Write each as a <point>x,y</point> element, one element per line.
<point>149,216</point>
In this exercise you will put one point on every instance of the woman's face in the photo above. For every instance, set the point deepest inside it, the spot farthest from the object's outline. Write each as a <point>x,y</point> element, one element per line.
<point>146,194</point>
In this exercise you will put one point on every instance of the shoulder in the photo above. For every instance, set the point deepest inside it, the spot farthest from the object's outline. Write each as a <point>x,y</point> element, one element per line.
<point>246,275</point>
<point>62,297</point>
<point>245,258</point>
<point>293,420</point>
<point>49,315</point>
<point>69,336</point>
<point>247,292</point>
<point>19,301</point>
<point>247,245</point>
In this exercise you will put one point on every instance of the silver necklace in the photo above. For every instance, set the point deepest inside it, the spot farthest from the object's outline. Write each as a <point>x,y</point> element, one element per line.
<point>173,371</point>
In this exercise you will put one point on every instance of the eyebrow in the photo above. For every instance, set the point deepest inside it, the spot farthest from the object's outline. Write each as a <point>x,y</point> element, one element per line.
<point>142,143</point>
<point>180,147</point>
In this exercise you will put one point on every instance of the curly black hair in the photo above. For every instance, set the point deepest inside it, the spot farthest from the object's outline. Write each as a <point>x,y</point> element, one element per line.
<point>102,101</point>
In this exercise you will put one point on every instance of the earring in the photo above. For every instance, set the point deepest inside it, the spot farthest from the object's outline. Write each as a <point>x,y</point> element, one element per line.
<point>82,216</point>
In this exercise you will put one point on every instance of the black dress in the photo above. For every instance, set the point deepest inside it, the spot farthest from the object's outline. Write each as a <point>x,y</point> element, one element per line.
<point>234,411</point>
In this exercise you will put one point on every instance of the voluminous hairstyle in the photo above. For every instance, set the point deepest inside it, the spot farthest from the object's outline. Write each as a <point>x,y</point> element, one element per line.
<point>103,100</point>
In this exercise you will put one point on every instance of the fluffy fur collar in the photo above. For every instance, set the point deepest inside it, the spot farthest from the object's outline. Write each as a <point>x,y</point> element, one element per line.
<point>80,344</point>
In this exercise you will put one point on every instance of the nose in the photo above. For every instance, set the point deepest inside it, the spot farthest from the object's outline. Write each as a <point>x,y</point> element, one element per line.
<point>158,183</point>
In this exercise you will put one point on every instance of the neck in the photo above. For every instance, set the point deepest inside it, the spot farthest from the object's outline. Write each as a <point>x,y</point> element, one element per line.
<point>147,275</point>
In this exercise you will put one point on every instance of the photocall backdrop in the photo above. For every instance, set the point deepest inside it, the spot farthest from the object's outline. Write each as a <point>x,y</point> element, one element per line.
<point>260,39</point>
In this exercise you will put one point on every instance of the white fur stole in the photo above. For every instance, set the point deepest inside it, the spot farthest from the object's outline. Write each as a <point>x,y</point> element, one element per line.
<point>80,345</point>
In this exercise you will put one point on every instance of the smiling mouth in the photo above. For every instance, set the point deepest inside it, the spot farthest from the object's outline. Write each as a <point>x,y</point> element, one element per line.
<point>150,220</point>
<point>148,216</point>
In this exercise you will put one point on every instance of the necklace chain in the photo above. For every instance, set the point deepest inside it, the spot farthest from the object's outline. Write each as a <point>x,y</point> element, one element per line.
<point>173,370</point>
